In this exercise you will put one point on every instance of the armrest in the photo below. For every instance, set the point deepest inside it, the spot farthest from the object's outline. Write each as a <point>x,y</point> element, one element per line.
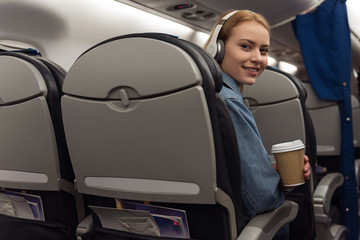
<point>84,226</point>
<point>264,226</point>
<point>323,195</point>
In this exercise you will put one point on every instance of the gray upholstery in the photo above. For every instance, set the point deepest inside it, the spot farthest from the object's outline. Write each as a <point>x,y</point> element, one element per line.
<point>277,110</point>
<point>263,226</point>
<point>33,152</point>
<point>28,151</point>
<point>328,142</point>
<point>326,119</point>
<point>325,115</point>
<point>158,130</point>
<point>143,134</point>
<point>138,127</point>
<point>325,226</point>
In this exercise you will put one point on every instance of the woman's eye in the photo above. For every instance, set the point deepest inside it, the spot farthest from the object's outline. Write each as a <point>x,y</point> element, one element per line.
<point>264,51</point>
<point>245,46</point>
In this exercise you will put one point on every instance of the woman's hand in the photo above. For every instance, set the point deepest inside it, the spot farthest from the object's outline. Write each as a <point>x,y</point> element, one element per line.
<point>307,171</point>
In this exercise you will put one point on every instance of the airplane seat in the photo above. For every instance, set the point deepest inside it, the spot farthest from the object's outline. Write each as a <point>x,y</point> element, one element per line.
<point>277,101</point>
<point>325,115</point>
<point>328,142</point>
<point>144,122</point>
<point>33,154</point>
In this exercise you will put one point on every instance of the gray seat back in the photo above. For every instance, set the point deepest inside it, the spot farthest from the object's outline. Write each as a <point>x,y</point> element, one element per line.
<point>28,150</point>
<point>139,114</point>
<point>275,104</point>
<point>277,101</point>
<point>326,119</point>
<point>144,121</point>
<point>33,151</point>
<point>143,134</point>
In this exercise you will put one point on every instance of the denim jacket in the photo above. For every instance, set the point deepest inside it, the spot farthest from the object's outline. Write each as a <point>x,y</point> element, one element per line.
<point>259,181</point>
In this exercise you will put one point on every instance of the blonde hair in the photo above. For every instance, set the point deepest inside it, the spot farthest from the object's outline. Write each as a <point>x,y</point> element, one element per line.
<point>239,17</point>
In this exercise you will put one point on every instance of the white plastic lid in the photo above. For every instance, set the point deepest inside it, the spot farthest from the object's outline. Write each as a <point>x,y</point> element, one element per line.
<point>287,146</point>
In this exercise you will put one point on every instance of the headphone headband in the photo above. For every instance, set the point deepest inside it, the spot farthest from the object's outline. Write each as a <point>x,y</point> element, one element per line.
<point>212,48</point>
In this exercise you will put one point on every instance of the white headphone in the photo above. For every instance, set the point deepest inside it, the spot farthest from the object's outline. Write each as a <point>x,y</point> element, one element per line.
<point>216,47</point>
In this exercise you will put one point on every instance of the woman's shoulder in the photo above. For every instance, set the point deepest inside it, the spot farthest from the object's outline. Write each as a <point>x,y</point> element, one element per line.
<point>227,93</point>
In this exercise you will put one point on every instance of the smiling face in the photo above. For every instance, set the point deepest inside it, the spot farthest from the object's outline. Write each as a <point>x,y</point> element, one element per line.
<point>246,52</point>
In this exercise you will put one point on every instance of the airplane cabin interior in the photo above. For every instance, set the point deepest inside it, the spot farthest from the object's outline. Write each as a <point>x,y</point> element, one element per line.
<point>111,124</point>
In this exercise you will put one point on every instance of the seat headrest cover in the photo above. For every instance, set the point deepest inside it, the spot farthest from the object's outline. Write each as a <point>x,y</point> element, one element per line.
<point>313,101</point>
<point>20,80</point>
<point>199,55</point>
<point>126,62</point>
<point>271,87</point>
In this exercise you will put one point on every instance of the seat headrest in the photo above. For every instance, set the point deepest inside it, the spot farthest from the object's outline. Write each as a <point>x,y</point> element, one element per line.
<point>178,64</point>
<point>22,78</point>
<point>191,48</point>
<point>274,86</point>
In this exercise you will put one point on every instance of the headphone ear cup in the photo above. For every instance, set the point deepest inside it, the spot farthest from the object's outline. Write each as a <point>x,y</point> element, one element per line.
<point>220,51</point>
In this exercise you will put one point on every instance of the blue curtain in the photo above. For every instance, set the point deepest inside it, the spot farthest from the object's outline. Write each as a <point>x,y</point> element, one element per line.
<point>324,38</point>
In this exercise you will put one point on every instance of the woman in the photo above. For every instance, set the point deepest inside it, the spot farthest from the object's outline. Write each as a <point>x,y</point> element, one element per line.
<point>246,39</point>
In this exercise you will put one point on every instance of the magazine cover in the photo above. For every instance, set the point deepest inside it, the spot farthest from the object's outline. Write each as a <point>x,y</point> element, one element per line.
<point>34,201</point>
<point>128,220</point>
<point>15,206</point>
<point>172,222</point>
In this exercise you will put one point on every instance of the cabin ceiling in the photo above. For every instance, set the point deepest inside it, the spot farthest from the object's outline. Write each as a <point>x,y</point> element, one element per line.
<point>202,14</point>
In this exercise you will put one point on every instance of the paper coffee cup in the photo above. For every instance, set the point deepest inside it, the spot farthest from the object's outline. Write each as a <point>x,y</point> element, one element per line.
<point>289,157</point>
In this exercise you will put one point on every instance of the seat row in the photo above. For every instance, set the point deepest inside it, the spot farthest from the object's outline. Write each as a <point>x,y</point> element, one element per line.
<point>139,117</point>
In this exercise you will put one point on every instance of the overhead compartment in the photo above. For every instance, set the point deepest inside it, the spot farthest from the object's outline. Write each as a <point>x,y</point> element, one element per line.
<point>203,13</point>
<point>275,11</point>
